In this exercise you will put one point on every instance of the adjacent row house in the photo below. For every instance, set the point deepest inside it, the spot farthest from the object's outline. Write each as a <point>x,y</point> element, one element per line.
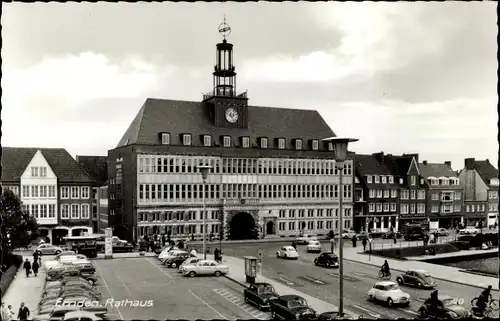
<point>52,187</point>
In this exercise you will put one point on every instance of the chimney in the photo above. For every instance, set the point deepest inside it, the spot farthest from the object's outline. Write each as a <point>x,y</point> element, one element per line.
<point>448,163</point>
<point>487,161</point>
<point>425,162</point>
<point>470,163</point>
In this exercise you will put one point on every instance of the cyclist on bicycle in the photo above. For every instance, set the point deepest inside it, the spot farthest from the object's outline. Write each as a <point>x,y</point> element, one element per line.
<point>483,299</point>
<point>385,268</point>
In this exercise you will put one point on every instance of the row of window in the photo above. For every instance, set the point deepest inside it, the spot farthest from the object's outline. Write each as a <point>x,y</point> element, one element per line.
<point>444,181</point>
<point>75,192</point>
<point>471,208</point>
<point>278,166</point>
<point>244,141</point>
<point>178,216</point>
<point>311,226</point>
<point>40,211</point>
<point>381,207</point>
<point>446,208</point>
<point>393,193</point>
<point>412,208</point>
<point>38,171</point>
<point>328,212</point>
<point>14,189</point>
<point>173,192</point>
<point>446,196</point>
<point>39,191</point>
<point>75,211</point>
<point>389,179</point>
<point>413,194</point>
<point>180,230</point>
<point>493,195</point>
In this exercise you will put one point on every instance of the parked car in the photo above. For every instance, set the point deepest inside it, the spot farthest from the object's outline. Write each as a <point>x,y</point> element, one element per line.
<point>59,259</point>
<point>81,316</point>
<point>328,260</point>
<point>304,239</point>
<point>334,315</point>
<point>64,253</point>
<point>390,235</point>
<point>71,273</point>
<point>374,233</point>
<point>417,278</point>
<point>205,267</point>
<point>260,294</point>
<point>291,307</point>
<point>448,308</point>
<point>169,253</point>
<point>47,249</point>
<point>469,230</point>
<point>390,293</point>
<point>177,259</point>
<point>58,312</point>
<point>313,246</point>
<point>441,231</point>
<point>348,234</point>
<point>189,261</point>
<point>287,252</point>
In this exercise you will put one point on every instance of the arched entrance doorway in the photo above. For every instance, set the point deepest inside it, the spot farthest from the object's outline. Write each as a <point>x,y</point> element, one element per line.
<point>270,228</point>
<point>242,227</point>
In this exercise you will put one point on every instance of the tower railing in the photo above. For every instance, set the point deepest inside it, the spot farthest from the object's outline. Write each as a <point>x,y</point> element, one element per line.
<point>228,93</point>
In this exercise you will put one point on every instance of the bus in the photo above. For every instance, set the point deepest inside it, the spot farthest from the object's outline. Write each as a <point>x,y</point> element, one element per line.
<point>86,245</point>
<point>413,232</point>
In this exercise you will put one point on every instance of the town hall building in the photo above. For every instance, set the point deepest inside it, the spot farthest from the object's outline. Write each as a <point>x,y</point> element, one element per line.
<point>271,174</point>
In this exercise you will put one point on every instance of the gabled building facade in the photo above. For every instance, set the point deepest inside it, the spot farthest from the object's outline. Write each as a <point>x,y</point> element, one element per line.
<point>270,174</point>
<point>52,187</point>
<point>444,195</point>
<point>480,182</point>
<point>376,196</point>
<point>412,200</point>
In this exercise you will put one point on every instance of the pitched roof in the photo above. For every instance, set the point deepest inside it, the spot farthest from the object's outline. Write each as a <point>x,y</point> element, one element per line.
<point>486,170</point>
<point>436,170</point>
<point>399,165</point>
<point>370,165</point>
<point>95,166</point>
<point>178,117</point>
<point>16,159</point>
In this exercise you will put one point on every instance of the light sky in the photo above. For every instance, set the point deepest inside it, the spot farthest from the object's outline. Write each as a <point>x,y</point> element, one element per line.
<point>402,77</point>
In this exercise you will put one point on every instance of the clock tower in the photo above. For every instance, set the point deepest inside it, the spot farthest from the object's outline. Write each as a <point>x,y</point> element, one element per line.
<point>227,108</point>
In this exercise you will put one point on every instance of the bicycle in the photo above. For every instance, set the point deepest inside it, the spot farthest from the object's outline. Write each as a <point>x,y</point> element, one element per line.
<point>383,275</point>
<point>493,304</point>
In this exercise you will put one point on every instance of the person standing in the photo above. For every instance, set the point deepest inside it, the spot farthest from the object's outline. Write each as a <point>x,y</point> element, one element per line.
<point>395,238</point>
<point>27,267</point>
<point>216,254</point>
<point>11,313</point>
<point>354,241</point>
<point>24,312</point>
<point>35,267</point>
<point>364,241</point>
<point>4,312</point>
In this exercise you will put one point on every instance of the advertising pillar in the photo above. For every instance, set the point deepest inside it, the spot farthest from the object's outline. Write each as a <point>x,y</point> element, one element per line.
<point>108,243</point>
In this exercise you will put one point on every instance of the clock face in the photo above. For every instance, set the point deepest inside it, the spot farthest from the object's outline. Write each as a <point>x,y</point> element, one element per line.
<point>231,115</point>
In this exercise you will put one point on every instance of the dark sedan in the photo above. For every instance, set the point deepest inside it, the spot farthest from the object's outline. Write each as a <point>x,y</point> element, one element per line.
<point>334,315</point>
<point>417,278</point>
<point>390,235</point>
<point>260,295</point>
<point>292,307</point>
<point>448,308</point>
<point>177,259</point>
<point>327,259</point>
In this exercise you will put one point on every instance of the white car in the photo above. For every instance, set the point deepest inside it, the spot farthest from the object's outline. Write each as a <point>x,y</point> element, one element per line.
<point>287,252</point>
<point>170,254</point>
<point>469,230</point>
<point>390,293</point>
<point>190,261</point>
<point>205,267</point>
<point>165,251</point>
<point>45,248</point>
<point>63,259</point>
<point>304,239</point>
<point>348,234</point>
<point>313,246</point>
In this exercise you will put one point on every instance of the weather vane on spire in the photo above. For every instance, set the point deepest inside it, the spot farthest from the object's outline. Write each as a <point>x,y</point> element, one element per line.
<point>224,29</point>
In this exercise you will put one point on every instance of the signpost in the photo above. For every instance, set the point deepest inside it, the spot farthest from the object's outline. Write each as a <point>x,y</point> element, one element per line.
<point>260,262</point>
<point>108,243</point>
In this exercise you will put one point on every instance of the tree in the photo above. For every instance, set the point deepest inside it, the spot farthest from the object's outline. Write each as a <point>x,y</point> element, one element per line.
<point>18,227</point>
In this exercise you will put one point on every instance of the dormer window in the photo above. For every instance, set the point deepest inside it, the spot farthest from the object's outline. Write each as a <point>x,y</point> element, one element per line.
<point>377,179</point>
<point>186,139</point>
<point>369,179</point>
<point>165,138</point>
<point>315,144</point>
<point>245,142</point>
<point>434,181</point>
<point>329,146</point>
<point>298,144</point>
<point>226,141</point>
<point>281,143</point>
<point>494,181</point>
<point>207,140</point>
<point>421,181</point>
<point>263,142</point>
<point>391,179</point>
<point>401,181</point>
<point>384,180</point>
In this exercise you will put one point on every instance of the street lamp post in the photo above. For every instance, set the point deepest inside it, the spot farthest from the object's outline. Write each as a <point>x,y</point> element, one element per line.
<point>204,169</point>
<point>340,153</point>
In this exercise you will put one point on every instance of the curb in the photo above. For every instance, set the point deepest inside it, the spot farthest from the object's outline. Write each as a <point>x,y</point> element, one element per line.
<point>434,277</point>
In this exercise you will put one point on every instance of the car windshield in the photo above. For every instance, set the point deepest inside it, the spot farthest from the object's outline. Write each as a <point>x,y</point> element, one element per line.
<point>298,302</point>
<point>265,289</point>
<point>391,287</point>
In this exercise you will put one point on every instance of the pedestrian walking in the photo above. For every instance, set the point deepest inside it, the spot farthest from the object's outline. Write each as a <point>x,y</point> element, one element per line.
<point>27,267</point>
<point>294,245</point>
<point>395,238</point>
<point>354,240</point>
<point>24,312</point>
<point>11,313</point>
<point>4,313</point>
<point>364,241</point>
<point>216,254</point>
<point>35,266</point>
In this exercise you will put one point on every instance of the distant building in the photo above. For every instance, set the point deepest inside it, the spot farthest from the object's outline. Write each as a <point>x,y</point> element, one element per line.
<point>97,168</point>
<point>376,196</point>
<point>102,210</point>
<point>480,182</point>
<point>52,187</point>
<point>271,173</point>
<point>444,194</point>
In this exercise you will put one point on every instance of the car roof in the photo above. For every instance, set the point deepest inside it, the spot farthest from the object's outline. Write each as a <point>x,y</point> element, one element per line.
<point>385,283</point>
<point>418,271</point>
<point>291,297</point>
<point>444,297</point>
<point>261,284</point>
<point>288,247</point>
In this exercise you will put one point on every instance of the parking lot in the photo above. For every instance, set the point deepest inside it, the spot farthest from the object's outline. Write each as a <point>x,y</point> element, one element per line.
<point>173,295</point>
